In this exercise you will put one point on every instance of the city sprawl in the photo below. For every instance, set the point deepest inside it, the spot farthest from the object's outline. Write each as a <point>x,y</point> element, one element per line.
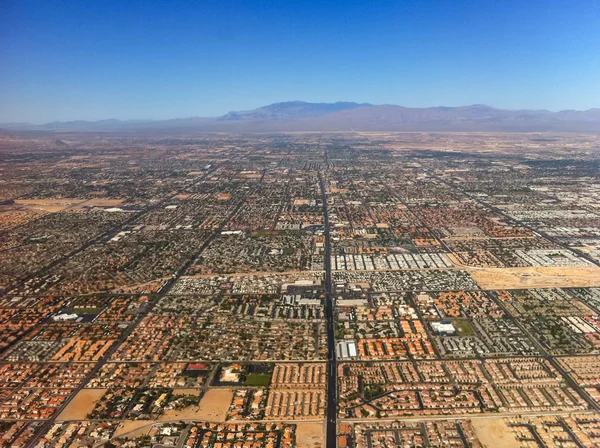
<point>301,290</point>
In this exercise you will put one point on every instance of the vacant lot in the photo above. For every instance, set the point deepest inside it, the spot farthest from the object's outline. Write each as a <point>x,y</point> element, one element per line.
<point>49,205</point>
<point>536,277</point>
<point>133,428</point>
<point>493,433</point>
<point>310,435</point>
<point>214,405</point>
<point>81,405</point>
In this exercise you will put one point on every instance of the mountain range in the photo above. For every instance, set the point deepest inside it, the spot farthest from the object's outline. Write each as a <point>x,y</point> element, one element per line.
<point>346,116</point>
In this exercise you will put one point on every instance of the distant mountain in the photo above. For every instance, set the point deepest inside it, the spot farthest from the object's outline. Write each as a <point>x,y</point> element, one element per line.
<point>77,125</point>
<point>463,118</point>
<point>590,115</point>
<point>290,110</point>
<point>475,117</point>
<point>347,116</point>
<point>81,124</point>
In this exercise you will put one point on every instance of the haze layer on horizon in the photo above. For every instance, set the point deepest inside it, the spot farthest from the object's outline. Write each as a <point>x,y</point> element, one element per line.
<point>156,60</point>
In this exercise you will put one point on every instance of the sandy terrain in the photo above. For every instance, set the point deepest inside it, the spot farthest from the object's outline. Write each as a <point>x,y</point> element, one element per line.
<point>132,425</point>
<point>189,391</point>
<point>81,405</point>
<point>310,435</point>
<point>56,205</point>
<point>49,205</point>
<point>213,407</point>
<point>536,277</point>
<point>493,433</point>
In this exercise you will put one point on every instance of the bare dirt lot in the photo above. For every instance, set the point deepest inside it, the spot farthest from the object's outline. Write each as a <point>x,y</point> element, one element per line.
<point>536,277</point>
<point>310,435</point>
<point>49,205</point>
<point>136,428</point>
<point>213,407</point>
<point>81,405</point>
<point>493,433</point>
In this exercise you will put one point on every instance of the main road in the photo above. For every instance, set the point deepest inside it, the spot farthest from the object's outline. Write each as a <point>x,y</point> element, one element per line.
<point>331,432</point>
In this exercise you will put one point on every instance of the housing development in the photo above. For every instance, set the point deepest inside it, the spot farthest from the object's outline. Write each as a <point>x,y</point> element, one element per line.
<point>299,290</point>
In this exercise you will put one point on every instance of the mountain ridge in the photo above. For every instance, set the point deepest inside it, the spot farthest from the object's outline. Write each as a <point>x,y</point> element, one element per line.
<point>292,110</point>
<point>347,116</point>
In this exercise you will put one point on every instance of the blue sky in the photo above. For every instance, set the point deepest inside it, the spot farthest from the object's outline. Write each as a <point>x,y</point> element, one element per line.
<point>67,60</point>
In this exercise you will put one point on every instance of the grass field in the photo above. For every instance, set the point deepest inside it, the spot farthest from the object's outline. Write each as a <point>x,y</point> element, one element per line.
<point>463,328</point>
<point>258,379</point>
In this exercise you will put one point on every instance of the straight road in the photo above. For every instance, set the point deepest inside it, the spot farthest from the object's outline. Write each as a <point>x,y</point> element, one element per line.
<point>331,431</point>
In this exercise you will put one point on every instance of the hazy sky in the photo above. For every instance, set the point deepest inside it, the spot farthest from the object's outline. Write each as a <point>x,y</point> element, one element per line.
<point>67,60</point>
